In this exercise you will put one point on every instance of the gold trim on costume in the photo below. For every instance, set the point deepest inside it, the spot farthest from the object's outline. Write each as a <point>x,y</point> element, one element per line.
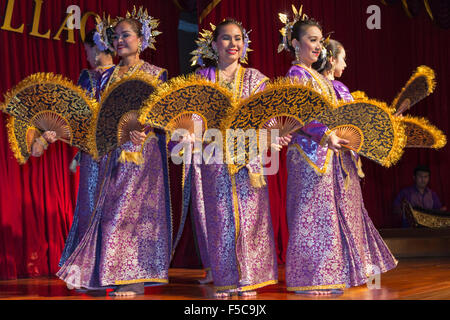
<point>325,137</point>
<point>122,282</point>
<point>236,218</point>
<point>259,285</point>
<point>323,287</point>
<point>319,171</point>
<point>264,80</point>
<point>225,288</point>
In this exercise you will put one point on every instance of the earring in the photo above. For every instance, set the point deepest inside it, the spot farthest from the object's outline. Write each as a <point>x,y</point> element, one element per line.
<point>297,53</point>
<point>139,48</point>
<point>215,55</point>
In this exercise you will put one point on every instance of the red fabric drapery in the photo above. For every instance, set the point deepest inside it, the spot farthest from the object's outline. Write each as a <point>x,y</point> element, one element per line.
<point>37,200</point>
<point>379,63</point>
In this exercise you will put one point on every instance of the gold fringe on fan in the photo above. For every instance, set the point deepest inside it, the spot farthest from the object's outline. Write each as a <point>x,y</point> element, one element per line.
<point>54,79</point>
<point>438,135</point>
<point>137,75</point>
<point>420,71</point>
<point>57,80</point>
<point>13,141</point>
<point>283,82</point>
<point>176,84</point>
<point>400,138</point>
<point>359,95</point>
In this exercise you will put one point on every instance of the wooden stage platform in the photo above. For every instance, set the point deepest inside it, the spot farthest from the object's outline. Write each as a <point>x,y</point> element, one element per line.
<point>425,278</point>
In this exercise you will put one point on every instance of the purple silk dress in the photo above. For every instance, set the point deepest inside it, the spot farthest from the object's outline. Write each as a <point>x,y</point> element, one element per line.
<point>333,244</point>
<point>239,234</point>
<point>129,237</point>
<point>93,82</point>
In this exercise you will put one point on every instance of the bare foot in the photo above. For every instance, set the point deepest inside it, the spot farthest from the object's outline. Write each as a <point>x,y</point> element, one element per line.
<point>223,294</point>
<point>207,279</point>
<point>320,292</point>
<point>129,290</point>
<point>250,293</point>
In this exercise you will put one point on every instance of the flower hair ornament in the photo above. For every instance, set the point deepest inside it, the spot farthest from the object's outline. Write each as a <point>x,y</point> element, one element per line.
<point>104,33</point>
<point>286,31</point>
<point>325,54</point>
<point>149,25</point>
<point>205,50</point>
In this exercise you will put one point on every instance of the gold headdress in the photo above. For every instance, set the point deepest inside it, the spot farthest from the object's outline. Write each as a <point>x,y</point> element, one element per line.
<point>286,31</point>
<point>149,25</point>
<point>104,32</point>
<point>205,51</point>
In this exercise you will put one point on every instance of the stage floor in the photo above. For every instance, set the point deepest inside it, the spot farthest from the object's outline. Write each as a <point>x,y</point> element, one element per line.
<point>413,279</point>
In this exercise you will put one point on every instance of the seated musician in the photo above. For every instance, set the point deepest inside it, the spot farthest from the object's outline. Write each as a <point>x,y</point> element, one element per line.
<point>418,195</point>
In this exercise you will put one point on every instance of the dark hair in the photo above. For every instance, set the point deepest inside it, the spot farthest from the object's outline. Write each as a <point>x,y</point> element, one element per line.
<point>324,64</point>
<point>136,25</point>
<point>299,28</point>
<point>89,39</point>
<point>422,168</point>
<point>224,23</point>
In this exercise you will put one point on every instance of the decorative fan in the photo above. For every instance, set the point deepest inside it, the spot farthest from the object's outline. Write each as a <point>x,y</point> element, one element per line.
<point>351,133</point>
<point>420,85</point>
<point>179,102</point>
<point>368,124</point>
<point>421,134</point>
<point>46,101</point>
<point>120,105</point>
<point>21,136</point>
<point>186,121</point>
<point>127,123</point>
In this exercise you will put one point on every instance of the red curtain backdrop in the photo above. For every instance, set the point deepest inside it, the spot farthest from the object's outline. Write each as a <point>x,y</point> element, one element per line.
<point>379,63</point>
<point>37,200</point>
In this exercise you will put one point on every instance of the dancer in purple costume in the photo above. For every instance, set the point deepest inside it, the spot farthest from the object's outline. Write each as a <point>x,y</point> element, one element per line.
<point>240,242</point>
<point>332,241</point>
<point>129,240</point>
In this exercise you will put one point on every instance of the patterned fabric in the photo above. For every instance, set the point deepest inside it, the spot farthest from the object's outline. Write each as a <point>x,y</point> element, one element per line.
<point>93,82</point>
<point>241,247</point>
<point>129,237</point>
<point>333,244</point>
<point>309,138</point>
<point>342,92</point>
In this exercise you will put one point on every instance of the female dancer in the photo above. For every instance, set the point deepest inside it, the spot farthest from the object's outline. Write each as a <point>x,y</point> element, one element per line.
<point>332,242</point>
<point>128,242</point>
<point>240,247</point>
<point>99,53</point>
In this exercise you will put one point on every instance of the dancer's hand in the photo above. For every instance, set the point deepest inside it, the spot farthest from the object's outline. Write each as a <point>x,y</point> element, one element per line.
<point>49,136</point>
<point>190,138</point>
<point>335,143</point>
<point>284,141</point>
<point>137,137</point>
